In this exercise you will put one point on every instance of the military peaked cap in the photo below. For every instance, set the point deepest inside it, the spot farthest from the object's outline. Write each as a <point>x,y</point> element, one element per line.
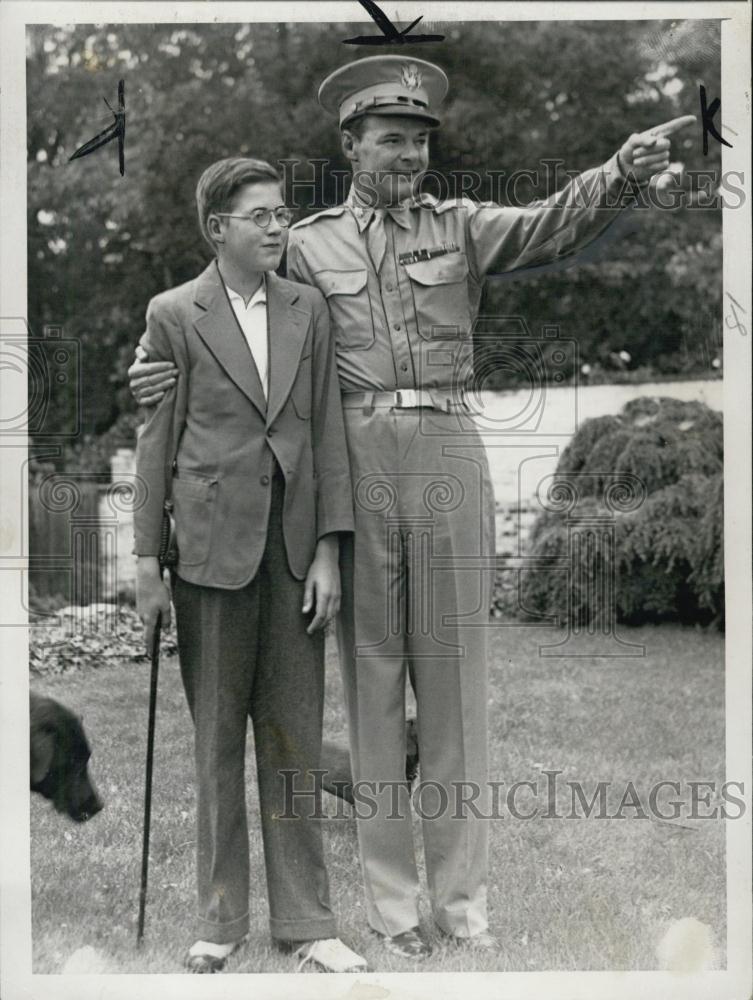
<point>385,85</point>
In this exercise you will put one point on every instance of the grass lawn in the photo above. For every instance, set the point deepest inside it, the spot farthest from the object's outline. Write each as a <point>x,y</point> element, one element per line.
<point>583,893</point>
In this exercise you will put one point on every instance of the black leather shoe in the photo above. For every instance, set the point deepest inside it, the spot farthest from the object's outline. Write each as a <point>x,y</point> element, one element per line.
<point>410,944</point>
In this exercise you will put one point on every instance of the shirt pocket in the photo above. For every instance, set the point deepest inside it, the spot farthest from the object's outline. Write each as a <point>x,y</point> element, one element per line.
<point>347,296</point>
<point>440,296</point>
<point>194,499</point>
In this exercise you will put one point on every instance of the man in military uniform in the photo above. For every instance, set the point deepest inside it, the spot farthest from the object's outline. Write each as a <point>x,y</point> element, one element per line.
<point>402,274</point>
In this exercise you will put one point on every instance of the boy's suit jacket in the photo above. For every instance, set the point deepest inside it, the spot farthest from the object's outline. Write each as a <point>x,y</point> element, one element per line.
<point>229,436</point>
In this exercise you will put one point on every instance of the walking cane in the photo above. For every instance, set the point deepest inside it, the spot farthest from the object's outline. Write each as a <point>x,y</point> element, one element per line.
<point>167,558</point>
<point>148,783</point>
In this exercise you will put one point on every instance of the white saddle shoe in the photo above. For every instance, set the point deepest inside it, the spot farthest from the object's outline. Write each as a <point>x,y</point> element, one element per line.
<point>331,955</point>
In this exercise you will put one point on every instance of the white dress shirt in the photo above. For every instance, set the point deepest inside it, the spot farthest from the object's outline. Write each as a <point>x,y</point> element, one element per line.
<point>252,319</point>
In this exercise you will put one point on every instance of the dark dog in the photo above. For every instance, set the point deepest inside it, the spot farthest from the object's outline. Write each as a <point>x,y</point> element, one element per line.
<point>336,762</point>
<point>59,759</point>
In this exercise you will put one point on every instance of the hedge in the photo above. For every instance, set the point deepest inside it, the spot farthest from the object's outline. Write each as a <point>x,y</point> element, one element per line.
<point>666,548</point>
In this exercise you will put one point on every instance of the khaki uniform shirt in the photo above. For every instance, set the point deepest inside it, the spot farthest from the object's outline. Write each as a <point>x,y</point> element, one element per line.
<point>407,324</point>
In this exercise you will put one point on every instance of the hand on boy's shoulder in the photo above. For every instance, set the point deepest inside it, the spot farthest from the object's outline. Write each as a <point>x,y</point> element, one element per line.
<point>155,371</point>
<point>149,380</point>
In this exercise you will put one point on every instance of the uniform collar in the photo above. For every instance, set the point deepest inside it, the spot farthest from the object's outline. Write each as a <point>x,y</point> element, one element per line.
<point>364,213</point>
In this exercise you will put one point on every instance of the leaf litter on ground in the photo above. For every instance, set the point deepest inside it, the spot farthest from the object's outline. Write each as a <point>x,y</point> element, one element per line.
<point>89,637</point>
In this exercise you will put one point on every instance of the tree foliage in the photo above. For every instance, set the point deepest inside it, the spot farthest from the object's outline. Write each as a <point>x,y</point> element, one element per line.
<point>667,557</point>
<point>100,245</point>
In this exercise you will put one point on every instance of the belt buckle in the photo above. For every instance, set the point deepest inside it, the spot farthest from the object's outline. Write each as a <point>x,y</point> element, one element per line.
<point>407,398</point>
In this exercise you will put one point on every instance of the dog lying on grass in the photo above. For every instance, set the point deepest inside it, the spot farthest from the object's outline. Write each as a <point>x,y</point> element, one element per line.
<point>60,759</point>
<point>336,761</point>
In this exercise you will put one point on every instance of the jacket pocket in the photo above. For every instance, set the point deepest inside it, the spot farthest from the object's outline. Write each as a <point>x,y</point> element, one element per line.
<point>194,500</point>
<point>349,305</point>
<point>440,296</point>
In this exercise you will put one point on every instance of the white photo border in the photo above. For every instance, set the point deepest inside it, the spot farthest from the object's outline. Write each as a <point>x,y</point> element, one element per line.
<point>15,905</point>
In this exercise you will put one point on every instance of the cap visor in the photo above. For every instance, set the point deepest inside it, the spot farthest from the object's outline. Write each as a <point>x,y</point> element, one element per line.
<point>395,111</point>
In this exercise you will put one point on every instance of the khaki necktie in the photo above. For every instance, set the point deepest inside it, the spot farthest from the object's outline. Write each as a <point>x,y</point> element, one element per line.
<point>376,239</point>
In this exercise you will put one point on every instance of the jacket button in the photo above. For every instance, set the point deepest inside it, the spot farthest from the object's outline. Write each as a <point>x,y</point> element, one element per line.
<point>264,480</point>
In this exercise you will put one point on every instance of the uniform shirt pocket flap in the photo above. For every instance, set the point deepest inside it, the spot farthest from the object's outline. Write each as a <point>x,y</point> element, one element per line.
<point>444,270</point>
<point>341,282</point>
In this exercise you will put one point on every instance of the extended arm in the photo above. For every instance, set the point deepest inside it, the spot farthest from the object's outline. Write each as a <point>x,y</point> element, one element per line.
<point>504,239</point>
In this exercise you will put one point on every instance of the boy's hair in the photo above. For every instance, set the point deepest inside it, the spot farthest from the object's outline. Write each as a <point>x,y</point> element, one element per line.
<point>219,184</point>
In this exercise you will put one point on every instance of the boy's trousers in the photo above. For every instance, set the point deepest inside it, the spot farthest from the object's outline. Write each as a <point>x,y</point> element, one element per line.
<point>247,652</point>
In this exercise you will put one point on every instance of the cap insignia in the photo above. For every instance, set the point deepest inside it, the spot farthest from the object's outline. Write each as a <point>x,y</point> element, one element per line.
<point>411,76</point>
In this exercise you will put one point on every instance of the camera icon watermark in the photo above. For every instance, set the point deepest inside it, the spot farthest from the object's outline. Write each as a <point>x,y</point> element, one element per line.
<point>45,372</point>
<point>436,571</point>
<point>574,573</point>
<point>537,370</point>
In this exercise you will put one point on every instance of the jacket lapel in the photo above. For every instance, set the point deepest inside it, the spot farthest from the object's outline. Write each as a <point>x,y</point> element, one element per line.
<point>288,326</point>
<point>218,327</point>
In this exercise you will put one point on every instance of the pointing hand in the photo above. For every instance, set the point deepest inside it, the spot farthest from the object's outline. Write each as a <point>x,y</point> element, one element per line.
<point>645,154</point>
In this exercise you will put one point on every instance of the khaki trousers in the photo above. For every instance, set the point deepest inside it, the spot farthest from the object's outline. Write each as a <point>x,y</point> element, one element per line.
<point>416,592</point>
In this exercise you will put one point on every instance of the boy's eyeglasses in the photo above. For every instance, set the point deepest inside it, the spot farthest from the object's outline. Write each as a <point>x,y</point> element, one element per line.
<point>263,216</point>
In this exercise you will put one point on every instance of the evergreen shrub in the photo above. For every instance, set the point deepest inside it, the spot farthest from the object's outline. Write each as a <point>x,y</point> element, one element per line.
<point>667,558</point>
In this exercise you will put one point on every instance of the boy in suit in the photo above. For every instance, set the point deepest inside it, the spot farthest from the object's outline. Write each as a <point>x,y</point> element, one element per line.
<point>248,446</point>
